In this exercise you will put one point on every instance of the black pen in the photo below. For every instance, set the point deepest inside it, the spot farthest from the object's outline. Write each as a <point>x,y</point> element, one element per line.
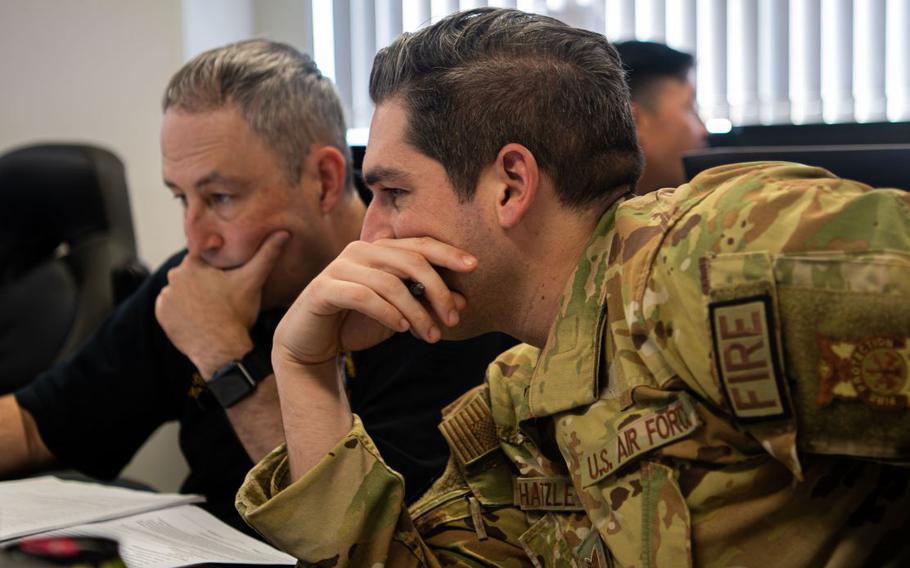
<point>415,288</point>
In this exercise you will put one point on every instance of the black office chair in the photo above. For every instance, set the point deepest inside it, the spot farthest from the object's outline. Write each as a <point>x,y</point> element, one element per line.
<point>879,165</point>
<point>67,253</point>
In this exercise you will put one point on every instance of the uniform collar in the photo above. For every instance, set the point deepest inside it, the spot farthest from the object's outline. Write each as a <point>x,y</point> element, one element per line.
<point>566,375</point>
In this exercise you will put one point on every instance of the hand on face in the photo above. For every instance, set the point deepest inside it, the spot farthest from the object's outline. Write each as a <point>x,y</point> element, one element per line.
<point>207,312</point>
<point>362,298</point>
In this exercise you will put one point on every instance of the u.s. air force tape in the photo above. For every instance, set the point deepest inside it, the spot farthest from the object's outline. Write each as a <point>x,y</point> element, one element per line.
<point>546,494</point>
<point>635,434</point>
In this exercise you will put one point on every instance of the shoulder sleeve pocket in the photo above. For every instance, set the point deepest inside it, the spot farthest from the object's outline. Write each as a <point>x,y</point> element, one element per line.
<point>820,339</point>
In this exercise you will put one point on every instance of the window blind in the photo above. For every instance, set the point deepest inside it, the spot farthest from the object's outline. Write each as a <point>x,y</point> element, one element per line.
<point>758,61</point>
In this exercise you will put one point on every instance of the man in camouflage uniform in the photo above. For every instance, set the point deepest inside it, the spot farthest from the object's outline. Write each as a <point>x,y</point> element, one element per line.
<point>713,375</point>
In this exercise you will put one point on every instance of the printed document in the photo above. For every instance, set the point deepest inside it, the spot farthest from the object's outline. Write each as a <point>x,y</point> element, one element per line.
<point>154,530</point>
<point>180,536</point>
<point>40,504</point>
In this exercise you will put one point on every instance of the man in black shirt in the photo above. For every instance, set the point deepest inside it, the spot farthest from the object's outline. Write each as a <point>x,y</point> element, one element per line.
<point>253,146</point>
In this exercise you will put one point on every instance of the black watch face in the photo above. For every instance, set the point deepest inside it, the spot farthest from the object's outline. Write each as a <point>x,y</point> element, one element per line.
<point>231,385</point>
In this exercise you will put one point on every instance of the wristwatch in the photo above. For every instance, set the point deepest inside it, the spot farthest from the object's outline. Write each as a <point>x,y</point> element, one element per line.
<point>238,379</point>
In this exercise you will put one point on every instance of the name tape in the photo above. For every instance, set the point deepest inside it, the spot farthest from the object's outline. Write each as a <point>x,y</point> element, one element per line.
<point>546,494</point>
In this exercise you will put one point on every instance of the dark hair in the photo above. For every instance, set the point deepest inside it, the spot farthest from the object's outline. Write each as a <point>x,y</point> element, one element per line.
<point>279,91</point>
<point>478,80</point>
<point>647,62</point>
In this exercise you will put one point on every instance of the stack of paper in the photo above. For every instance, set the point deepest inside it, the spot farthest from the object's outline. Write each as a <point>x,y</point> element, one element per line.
<point>154,530</point>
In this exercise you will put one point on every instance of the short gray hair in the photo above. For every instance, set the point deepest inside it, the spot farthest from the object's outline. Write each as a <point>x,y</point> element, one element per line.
<point>280,92</point>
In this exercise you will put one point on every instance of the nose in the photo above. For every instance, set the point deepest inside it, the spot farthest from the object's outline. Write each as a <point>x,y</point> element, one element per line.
<point>202,236</point>
<point>376,224</point>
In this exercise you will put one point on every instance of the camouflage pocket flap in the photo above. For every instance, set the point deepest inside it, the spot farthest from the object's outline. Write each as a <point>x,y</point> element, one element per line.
<point>845,326</point>
<point>553,540</point>
<point>455,508</point>
<point>841,324</point>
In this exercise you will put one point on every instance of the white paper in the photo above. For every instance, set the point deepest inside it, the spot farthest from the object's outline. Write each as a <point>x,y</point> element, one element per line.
<point>31,506</point>
<point>179,536</point>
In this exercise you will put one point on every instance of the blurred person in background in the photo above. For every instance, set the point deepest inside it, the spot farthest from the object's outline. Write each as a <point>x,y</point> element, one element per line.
<point>663,105</point>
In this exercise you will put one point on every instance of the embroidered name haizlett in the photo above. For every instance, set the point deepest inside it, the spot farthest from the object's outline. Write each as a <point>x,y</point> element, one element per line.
<point>546,494</point>
<point>652,429</point>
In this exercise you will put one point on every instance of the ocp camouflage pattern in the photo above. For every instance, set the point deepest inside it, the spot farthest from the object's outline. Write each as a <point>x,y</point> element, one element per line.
<point>695,391</point>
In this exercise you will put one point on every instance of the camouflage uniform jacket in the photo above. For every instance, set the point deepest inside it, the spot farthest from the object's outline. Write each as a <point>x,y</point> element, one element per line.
<point>723,355</point>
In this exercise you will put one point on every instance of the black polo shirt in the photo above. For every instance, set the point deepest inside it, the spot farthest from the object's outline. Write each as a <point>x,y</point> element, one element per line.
<point>97,408</point>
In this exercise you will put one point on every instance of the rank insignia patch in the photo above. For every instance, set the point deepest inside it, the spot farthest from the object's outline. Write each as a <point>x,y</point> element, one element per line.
<point>873,370</point>
<point>746,358</point>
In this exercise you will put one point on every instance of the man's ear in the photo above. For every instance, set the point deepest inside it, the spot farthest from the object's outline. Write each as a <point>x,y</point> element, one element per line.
<point>639,114</point>
<point>518,181</point>
<point>329,169</point>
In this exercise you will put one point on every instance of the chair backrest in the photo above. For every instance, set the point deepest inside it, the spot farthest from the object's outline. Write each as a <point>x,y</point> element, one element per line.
<point>881,165</point>
<point>67,253</point>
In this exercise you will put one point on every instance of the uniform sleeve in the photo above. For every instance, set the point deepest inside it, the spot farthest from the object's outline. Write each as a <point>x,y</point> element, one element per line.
<point>347,511</point>
<point>776,299</point>
<point>792,299</point>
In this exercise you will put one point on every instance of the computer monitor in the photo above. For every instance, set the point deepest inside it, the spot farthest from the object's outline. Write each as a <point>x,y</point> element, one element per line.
<point>885,165</point>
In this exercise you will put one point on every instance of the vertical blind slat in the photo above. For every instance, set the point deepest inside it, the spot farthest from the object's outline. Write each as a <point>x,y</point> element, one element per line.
<point>774,61</point>
<point>805,61</point>
<point>439,9</point>
<point>869,58</point>
<point>388,21</point>
<point>712,57</point>
<point>363,47</point>
<point>681,35</point>
<point>837,60</point>
<point>414,13</point>
<point>341,26</point>
<point>620,16</point>
<point>650,20</point>
<point>742,43</point>
<point>897,62</point>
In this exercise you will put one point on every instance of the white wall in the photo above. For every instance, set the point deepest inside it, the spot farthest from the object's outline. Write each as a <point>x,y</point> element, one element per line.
<point>94,71</point>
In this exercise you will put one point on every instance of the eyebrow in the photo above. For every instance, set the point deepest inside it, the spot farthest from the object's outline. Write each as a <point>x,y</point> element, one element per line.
<point>386,175</point>
<point>209,179</point>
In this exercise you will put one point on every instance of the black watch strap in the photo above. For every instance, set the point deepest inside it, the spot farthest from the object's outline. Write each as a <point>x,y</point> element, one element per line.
<point>238,379</point>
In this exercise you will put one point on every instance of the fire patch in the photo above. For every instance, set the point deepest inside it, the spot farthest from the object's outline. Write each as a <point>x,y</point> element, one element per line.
<point>746,358</point>
<point>873,370</point>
